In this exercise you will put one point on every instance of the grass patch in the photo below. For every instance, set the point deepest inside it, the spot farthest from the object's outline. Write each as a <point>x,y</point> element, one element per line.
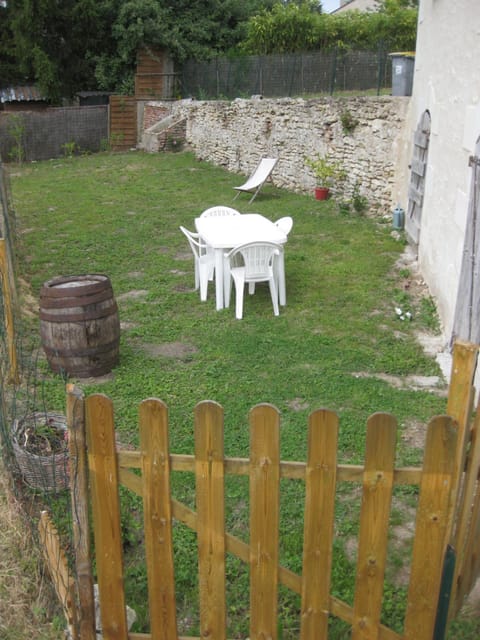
<point>119,214</point>
<point>28,607</point>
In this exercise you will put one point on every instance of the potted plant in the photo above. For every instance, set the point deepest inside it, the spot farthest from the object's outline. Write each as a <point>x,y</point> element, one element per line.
<point>326,173</point>
<point>40,445</point>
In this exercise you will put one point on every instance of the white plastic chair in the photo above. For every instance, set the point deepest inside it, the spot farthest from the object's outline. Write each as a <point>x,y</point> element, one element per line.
<point>285,224</point>
<point>251,263</point>
<point>204,262</point>
<point>219,210</point>
<point>258,178</point>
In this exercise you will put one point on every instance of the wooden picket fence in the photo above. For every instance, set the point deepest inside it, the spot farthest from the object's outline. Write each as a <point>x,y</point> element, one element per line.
<point>447,517</point>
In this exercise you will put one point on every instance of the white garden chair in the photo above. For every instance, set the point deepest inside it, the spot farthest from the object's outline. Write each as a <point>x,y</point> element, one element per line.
<point>285,224</point>
<point>251,263</point>
<point>258,178</point>
<point>204,262</point>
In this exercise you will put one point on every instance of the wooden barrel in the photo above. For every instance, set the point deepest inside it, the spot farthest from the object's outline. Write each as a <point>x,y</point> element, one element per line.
<point>79,325</point>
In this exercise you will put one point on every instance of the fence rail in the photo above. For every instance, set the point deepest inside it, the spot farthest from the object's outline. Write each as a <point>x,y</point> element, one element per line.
<point>110,468</point>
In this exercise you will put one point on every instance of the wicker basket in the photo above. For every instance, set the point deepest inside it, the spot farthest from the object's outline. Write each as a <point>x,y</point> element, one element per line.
<point>44,472</point>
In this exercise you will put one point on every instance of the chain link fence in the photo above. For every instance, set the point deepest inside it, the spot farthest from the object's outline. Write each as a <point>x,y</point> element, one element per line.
<point>35,474</point>
<point>41,135</point>
<point>286,75</point>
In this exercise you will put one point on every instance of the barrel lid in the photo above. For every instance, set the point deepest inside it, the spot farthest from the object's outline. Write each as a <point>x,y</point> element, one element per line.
<point>87,283</point>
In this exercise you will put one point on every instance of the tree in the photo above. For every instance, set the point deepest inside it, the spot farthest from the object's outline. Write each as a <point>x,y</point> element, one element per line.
<point>8,66</point>
<point>55,43</point>
<point>286,28</point>
<point>291,27</point>
<point>87,44</point>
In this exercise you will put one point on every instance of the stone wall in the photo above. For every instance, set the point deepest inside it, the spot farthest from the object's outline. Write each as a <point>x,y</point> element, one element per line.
<point>236,134</point>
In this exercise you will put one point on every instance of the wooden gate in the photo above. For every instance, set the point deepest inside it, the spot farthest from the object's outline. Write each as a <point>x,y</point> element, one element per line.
<point>123,122</point>
<point>265,469</point>
<point>417,178</point>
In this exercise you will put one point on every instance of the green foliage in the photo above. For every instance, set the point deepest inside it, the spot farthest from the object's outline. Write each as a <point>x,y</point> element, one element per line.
<point>428,314</point>
<point>8,67</point>
<point>288,28</point>
<point>359,201</point>
<point>69,149</point>
<point>326,171</point>
<point>16,128</point>
<point>88,44</point>
<point>349,122</point>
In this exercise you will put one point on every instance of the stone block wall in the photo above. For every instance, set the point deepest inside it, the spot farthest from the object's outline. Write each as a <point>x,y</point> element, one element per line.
<point>236,134</point>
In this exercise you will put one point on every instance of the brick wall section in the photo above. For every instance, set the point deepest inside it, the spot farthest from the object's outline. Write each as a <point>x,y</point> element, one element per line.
<point>153,113</point>
<point>236,134</point>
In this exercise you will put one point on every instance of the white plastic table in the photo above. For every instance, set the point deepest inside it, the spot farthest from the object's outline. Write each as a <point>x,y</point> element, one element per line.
<point>225,232</point>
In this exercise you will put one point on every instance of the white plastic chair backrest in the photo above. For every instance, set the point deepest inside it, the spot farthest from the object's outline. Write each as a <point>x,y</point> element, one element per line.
<point>261,173</point>
<point>193,240</point>
<point>285,224</point>
<point>219,211</point>
<point>257,259</point>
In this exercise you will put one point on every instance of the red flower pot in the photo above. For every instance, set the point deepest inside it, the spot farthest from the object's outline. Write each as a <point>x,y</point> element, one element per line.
<point>321,193</point>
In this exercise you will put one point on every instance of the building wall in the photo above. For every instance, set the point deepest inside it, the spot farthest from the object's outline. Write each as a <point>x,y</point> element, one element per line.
<point>237,134</point>
<point>446,84</point>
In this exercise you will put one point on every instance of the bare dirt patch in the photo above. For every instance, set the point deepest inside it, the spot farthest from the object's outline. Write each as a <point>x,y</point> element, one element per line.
<point>414,433</point>
<point>434,384</point>
<point>133,294</point>
<point>297,404</point>
<point>177,350</point>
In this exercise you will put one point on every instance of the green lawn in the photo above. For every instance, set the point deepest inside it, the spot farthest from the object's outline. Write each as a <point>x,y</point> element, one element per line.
<point>119,214</point>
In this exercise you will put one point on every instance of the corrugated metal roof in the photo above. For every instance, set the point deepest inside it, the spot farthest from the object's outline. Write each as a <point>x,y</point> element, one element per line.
<point>27,93</point>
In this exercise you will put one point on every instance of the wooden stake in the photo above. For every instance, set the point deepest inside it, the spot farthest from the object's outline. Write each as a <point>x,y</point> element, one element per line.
<point>7,297</point>
<point>80,519</point>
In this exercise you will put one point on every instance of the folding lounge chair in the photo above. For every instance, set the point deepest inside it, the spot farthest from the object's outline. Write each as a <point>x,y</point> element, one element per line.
<point>256,181</point>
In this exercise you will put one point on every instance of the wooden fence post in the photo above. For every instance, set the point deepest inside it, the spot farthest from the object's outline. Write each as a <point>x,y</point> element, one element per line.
<point>374,521</point>
<point>158,519</point>
<point>209,480</point>
<point>106,516</point>
<point>320,492</point>
<point>264,520</point>
<point>58,567</point>
<point>433,511</point>
<point>459,407</point>
<point>467,538</point>
<point>80,519</point>
<point>7,304</point>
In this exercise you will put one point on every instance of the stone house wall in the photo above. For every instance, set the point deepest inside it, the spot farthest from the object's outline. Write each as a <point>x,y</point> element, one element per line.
<point>236,134</point>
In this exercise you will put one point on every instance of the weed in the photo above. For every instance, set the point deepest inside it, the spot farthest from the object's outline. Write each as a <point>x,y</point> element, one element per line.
<point>175,143</point>
<point>70,148</point>
<point>349,122</point>
<point>16,128</point>
<point>359,201</point>
<point>429,315</point>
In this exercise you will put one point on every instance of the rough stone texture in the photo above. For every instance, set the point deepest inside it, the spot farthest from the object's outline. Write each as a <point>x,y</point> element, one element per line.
<point>236,134</point>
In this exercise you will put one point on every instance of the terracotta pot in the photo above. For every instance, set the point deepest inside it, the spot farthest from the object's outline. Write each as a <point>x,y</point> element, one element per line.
<point>321,193</point>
